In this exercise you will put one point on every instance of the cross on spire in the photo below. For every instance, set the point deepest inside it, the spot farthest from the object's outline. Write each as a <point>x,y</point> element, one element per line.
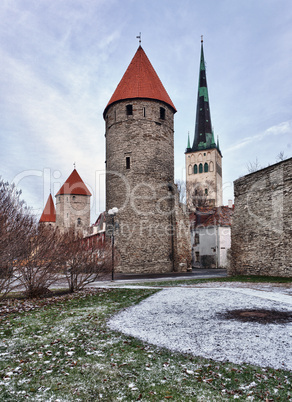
<point>74,164</point>
<point>140,38</point>
<point>201,38</point>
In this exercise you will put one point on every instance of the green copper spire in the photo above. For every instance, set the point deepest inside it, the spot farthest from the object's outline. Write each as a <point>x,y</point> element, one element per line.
<point>189,145</point>
<point>204,136</point>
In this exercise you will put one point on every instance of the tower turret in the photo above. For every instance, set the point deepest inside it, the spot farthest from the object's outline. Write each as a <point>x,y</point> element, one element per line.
<point>140,169</point>
<point>73,204</point>
<point>49,213</point>
<point>204,159</point>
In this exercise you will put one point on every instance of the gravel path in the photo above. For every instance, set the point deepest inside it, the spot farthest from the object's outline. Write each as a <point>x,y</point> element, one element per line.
<point>188,320</point>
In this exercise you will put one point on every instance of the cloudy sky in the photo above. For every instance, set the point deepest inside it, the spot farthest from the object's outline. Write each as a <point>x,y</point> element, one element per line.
<point>61,60</point>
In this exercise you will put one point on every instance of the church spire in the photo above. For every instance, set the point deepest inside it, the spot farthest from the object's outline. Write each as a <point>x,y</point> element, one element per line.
<point>204,137</point>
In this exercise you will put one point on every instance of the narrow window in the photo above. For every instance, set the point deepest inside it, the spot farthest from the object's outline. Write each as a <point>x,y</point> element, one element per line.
<point>129,109</point>
<point>79,221</point>
<point>162,113</point>
<point>128,162</point>
<point>206,167</point>
<point>115,114</point>
<point>144,111</point>
<point>200,168</point>
<point>190,170</point>
<point>67,215</point>
<point>206,191</point>
<point>73,197</point>
<point>196,169</point>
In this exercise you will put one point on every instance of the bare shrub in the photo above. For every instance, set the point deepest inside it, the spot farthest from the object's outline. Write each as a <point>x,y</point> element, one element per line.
<point>16,222</point>
<point>42,262</point>
<point>86,259</point>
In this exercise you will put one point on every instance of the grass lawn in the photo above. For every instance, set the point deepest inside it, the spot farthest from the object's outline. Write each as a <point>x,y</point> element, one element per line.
<point>65,352</point>
<point>184,282</point>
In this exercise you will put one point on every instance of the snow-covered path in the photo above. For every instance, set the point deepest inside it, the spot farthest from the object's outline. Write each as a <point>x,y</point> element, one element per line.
<point>188,320</point>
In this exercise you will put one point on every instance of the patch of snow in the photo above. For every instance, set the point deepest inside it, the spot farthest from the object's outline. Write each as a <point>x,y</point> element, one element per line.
<point>186,320</point>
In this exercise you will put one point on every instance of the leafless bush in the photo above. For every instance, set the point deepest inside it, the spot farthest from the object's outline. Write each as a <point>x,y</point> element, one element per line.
<point>253,166</point>
<point>42,262</point>
<point>16,222</point>
<point>87,259</point>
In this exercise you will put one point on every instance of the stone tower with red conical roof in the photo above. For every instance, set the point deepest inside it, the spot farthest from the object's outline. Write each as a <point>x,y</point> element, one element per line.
<point>139,122</point>
<point>73,204</point>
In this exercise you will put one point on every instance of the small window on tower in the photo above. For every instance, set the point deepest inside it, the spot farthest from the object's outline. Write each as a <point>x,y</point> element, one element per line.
<point>73,197</point>
<point>128,162</point>
<point>162,113</point>
<point>206,167</point>
<point>78,221</point>
<point>129,109</point>
<point>200,168</point>
<point>195,169</point>
<point>206,191</point>
<point>144,111</point>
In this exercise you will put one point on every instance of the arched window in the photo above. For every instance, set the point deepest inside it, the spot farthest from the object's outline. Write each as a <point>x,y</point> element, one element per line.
<point>190,169</point>
<point>200,168</point>
<point>79,221</point>
<point>208,156</point>
<point>206,167</point>
<point>195,169</point>
<point>200,158</point>
<point>211,167</point>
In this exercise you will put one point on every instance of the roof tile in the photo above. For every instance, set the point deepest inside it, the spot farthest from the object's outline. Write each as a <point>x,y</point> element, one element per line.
<point>49,213</point>
<point>140,81</point>
<point>74,185</point>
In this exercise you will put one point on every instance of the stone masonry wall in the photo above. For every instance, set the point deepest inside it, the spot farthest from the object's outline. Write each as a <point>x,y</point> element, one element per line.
<point>262,222</point>
<point>69,208</point>
<point>143,191</point>
<point>182,237</point>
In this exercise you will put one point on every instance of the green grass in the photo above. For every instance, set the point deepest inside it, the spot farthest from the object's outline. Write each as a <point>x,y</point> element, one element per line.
<point>65,352</point>
<point>182,282</point>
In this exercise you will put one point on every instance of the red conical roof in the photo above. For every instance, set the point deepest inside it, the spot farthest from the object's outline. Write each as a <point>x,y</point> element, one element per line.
<point>49,213</point>
<point>140,81</point>
<point>74,185</point>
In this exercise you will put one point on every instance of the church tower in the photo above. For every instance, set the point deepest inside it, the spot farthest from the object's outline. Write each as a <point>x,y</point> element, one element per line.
<point>73,204</point>
<point>139,122</point>
<point>204,158</point>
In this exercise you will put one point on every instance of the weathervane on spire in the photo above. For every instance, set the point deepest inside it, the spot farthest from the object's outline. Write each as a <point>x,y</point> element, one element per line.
<point>201,38</point>
<point>140,38</point>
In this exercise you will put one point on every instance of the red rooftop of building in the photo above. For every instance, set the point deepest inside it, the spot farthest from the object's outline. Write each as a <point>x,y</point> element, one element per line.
<point>74,185</point>
<point>140,81</point>
<point>49,213</point>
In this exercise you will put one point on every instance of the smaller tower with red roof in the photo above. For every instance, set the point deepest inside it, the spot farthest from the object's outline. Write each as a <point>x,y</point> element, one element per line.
<point>73,204</point>
<point>49,214</point>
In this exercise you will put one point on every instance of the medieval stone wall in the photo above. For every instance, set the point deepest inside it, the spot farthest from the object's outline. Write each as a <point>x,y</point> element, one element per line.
<point>262,222</point>
<point>182,237</point>
<point>139,180</point>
